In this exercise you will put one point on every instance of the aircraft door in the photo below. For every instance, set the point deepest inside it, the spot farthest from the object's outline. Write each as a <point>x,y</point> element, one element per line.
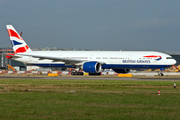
<point>129,58</point>
<point>91,57</point>
<point>60,56</point>
<point>154,61</point>
<point>31,58</point>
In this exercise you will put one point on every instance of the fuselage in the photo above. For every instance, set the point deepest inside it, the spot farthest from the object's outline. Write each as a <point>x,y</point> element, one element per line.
<point>89,61</point>
<point>109,59</point>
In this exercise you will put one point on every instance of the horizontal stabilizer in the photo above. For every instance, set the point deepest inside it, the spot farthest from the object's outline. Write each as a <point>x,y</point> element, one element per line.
<point>10,55</point>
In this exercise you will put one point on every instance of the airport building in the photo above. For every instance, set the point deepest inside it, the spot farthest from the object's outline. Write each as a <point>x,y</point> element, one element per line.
<point>4,62</point>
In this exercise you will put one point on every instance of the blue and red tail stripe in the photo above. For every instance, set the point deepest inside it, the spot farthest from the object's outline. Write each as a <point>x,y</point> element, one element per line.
<point>21,49</point>
<point>13,34</point>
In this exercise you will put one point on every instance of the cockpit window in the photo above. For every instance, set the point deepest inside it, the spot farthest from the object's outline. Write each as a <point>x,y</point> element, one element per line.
<point>169,58</point>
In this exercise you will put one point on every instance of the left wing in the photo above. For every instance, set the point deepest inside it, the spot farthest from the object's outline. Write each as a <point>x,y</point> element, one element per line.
<point>67,61</point>
<point>58,59</point>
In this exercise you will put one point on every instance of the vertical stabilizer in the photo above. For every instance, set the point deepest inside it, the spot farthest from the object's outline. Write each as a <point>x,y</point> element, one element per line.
<point>18,44</point>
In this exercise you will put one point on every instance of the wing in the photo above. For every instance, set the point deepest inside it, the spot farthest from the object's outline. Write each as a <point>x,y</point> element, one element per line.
<point>58,59</point>
<point>68,61</point>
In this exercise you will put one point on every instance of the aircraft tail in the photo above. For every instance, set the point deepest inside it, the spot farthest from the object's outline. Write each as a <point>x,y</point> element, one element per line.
<point>18,44</point>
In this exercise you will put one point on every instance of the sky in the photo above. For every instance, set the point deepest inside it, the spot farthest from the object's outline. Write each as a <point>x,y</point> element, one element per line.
<point>128,25</point>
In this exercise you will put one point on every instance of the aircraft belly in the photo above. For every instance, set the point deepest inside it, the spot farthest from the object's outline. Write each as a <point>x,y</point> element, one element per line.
<point>106,66</point>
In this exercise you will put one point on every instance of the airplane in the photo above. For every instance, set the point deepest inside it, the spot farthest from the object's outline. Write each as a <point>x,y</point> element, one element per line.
<point>89,61</point>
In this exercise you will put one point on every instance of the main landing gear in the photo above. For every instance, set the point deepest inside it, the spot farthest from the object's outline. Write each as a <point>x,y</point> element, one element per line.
<point>77,73</point>
<point>82,73</point>
<point>161,74</point>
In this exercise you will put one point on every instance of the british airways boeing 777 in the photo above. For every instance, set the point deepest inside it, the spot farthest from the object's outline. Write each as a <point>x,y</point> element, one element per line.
<point>89,61</point>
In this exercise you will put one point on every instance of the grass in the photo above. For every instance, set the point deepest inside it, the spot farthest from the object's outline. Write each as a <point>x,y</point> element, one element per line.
<point>88,99</point>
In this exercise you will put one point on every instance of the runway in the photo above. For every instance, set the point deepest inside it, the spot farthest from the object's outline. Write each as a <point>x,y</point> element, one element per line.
<point>95,78</point>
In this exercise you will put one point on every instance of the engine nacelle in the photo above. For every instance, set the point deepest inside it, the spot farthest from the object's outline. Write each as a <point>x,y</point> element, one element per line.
<point>92,67</point>
<point>121,70</point>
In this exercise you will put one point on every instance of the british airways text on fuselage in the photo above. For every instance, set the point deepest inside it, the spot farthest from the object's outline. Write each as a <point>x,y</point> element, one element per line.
<point>136,61</point>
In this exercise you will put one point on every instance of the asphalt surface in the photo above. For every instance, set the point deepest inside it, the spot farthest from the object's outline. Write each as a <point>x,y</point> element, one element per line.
<point>94,78</point>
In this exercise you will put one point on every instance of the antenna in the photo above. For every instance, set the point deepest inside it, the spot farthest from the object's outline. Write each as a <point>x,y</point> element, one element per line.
<point>21,34</point>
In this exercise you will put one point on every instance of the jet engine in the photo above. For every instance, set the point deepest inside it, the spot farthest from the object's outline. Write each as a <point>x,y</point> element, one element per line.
<point>92,67</point>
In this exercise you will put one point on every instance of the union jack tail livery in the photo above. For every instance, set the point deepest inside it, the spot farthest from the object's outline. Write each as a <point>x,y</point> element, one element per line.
<point>18,44</point>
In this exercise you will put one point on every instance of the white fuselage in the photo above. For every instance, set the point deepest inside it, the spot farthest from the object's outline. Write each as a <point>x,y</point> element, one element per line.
<point>89,61</point>
<point>110,59</point>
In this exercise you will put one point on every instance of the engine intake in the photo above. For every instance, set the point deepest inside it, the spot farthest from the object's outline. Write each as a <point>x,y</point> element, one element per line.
<point>92,67</point>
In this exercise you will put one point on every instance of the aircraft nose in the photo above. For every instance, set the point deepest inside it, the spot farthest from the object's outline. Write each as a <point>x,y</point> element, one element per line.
<point>174,61</point>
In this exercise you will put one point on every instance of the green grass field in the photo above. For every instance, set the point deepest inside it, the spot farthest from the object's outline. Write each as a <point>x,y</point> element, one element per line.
<point>88,99</point>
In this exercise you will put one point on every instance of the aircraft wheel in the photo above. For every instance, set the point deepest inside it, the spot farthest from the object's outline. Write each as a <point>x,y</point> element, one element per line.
<point>161,74</point>
<point>80,73</point>
<point>76,73</point>
<point>72,73</point>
